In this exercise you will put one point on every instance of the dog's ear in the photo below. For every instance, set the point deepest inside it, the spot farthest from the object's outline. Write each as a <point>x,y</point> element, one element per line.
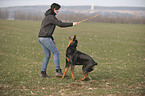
<point>70,38</point>
<point>70,41</point>
<point>74,37</point>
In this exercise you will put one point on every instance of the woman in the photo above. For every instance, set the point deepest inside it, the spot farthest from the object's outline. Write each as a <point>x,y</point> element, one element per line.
<point>46,38</point>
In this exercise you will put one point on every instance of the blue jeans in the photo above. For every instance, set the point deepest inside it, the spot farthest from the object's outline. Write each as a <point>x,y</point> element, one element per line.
<point>48,47</point>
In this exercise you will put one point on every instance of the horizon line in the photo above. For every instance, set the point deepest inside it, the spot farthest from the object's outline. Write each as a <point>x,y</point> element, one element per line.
<point>67,6</point>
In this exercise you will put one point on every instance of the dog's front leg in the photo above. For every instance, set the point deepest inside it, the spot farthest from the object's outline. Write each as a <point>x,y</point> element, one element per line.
<point>66,67</point>
<point>72,71</point>
<point>65,71</point>
<point>72,67</point>
<point>71,61</point>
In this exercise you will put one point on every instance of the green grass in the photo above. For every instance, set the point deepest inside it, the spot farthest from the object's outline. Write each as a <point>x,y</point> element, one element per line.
<point>118,48</point>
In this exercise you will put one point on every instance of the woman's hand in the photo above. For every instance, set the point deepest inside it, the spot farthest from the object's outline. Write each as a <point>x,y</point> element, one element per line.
<point>75,23</point>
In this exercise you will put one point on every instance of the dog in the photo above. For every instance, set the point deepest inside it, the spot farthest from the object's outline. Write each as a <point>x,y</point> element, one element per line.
<point>74,57</point>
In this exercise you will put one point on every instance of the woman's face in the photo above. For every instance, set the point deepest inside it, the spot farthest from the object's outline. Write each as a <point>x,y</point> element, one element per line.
<point>56,11</point>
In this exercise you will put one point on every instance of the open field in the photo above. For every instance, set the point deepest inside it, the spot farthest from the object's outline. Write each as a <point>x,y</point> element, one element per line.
<point>118,48</point>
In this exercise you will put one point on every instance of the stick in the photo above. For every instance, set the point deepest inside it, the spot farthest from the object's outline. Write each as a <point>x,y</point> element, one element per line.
<point>88,18</point>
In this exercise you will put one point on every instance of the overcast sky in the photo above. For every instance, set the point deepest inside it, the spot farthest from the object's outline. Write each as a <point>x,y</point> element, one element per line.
<point>135,3</point>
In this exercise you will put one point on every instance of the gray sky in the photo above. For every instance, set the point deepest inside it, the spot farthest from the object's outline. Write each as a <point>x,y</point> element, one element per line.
<point>135,3</point>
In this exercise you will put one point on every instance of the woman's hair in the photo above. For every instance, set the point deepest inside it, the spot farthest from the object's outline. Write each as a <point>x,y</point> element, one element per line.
<point>56,6</point>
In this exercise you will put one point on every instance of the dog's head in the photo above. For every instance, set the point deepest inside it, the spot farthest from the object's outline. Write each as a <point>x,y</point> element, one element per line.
<point>73,42</point>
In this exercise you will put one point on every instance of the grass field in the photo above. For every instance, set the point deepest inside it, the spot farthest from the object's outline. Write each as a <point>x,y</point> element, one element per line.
<point>119,50</point>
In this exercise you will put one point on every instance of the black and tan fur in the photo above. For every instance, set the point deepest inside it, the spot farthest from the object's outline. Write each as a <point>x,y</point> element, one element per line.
<point>75,57</point>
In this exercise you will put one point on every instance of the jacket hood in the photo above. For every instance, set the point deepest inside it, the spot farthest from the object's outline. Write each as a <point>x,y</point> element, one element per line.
<point>50,12</point>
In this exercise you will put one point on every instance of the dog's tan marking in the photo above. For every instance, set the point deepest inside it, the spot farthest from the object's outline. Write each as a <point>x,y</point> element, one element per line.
<point>67,59</point>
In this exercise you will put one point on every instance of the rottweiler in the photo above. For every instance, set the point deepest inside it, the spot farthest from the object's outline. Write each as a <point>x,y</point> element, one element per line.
<point>75,57</point>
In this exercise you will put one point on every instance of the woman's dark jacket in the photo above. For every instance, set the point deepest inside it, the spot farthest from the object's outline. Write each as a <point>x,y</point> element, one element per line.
<point>49,23</point>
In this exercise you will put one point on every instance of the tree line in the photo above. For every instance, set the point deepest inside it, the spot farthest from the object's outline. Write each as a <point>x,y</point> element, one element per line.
<point>69,17</point>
